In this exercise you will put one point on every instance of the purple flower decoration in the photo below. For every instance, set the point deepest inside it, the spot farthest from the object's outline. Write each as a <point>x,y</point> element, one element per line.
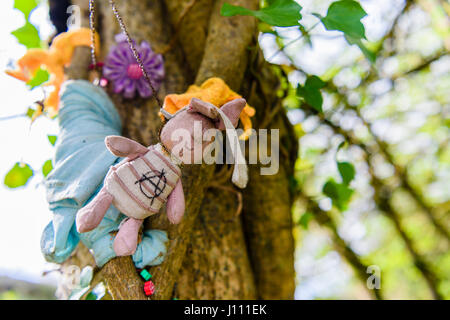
<point>123,70</point>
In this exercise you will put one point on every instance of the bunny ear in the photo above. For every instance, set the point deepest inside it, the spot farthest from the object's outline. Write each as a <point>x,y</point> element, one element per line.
<point>205,108</point>
<point>226,117</point>
<point>240,171</point>
<point>124,147</point>
<point>232,110</point>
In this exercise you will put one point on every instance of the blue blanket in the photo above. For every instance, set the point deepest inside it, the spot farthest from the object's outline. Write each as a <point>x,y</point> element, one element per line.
<point>86,117</point>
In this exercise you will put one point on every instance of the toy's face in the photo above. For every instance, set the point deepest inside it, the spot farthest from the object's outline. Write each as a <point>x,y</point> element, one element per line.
<point>191,130</point>
<point>184,135</point>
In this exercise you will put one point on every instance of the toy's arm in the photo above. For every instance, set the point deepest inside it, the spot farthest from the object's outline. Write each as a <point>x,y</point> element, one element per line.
<point>124,147</point>
<point>175,204</point>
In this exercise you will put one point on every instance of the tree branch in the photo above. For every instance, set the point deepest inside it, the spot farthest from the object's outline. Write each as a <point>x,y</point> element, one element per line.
<point>227,43</point>
<point>382,195</point>
<point>217,265</point>
<point>192,29</point>
<point>400,172</point>
<point>118,273</point>
<point>382,199</point>
<point>268,199</point>
<point>342,247</point>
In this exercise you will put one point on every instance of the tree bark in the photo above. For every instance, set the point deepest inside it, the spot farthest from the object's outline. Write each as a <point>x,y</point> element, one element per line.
<point>214,253</point>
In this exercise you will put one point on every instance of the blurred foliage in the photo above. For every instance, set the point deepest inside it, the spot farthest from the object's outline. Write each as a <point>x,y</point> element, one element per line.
<point>25,6</point>
<point>310,92</point>
<point>18,176</point>
<point>28,34</point>
<point>52,139</point>
<point>14,289</point>
<point>282,13</point>
<point>345,16</point>
<point>386,201</point>
<point>339,193</point>
<point>39,78</point>
<point>47,167</point>
<point>83,291</point>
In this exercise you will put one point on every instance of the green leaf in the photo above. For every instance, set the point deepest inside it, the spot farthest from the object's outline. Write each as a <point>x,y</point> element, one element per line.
<point>369,54</point>
<point>280,13</point>
<point>91,296</point>
<point>345,16</point>
<point>266,28</point>
<point>347,172</point>
<point>341,145</point>
<point>305,218</point>
<point>339,193</point>
<point>47,167</point>
<point>30,112</point>
<point>77,293</point>
<point>28,35</point>
<point>84,284</point>
<point>39,78</point>
<point>52,139</point>
<point>97,293</point>
<point>311,92</point>
<point>18,176</point>
<point>306,35</point>
<point>25,6</point>
<point>86,276</point>
<point>314,82</point>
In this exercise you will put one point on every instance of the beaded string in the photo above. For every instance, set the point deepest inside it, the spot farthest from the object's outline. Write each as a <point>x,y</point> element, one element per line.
<point>92,28</point>
<point>130,43</point>
<point>133,49</point>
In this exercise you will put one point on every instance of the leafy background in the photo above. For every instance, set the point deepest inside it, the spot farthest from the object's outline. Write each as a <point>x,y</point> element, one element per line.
<point>24,209</point>
<point>366,84</point>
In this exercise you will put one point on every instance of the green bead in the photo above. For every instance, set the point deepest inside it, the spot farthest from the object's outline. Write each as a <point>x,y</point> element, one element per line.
<point>145,274</point>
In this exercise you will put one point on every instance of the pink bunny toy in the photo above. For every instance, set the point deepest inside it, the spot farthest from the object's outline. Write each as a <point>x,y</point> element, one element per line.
<point>148,177</point>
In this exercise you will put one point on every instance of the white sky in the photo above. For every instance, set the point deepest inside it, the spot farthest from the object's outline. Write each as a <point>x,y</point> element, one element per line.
<point>24,212</point>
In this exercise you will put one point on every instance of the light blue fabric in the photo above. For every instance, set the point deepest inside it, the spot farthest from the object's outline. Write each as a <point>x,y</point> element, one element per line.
<point>86,117</point>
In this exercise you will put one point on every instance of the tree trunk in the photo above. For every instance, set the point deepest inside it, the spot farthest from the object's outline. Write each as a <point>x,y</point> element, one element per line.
<point>215,252</point>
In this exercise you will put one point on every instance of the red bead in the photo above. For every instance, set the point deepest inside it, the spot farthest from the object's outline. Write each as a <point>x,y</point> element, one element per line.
<point>149,288</point>
<point>98,65</point>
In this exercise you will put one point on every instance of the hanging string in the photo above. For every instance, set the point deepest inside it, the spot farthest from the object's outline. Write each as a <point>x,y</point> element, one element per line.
<point>92,28</point>
<point>130,43</point>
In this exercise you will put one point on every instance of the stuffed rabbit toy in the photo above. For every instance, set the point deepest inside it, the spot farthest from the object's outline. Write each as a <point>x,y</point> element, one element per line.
<point>149,177</point>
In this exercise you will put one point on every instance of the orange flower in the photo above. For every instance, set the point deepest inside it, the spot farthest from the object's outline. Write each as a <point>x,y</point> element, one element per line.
<point>53,60</point>
<point>215,91</point>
